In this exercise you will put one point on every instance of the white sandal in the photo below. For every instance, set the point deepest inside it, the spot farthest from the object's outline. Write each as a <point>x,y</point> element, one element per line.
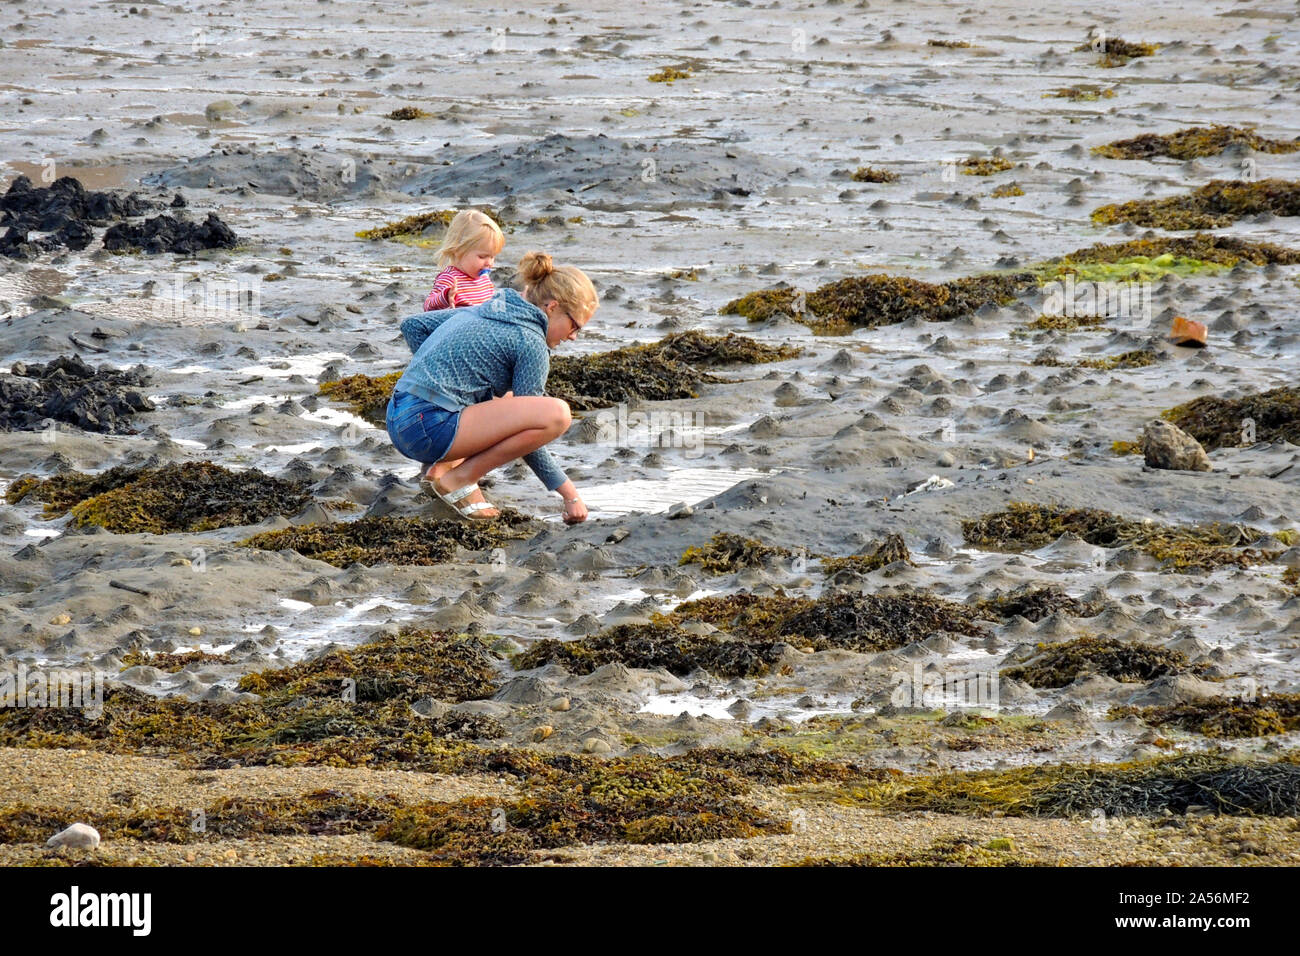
<point>451,498</point>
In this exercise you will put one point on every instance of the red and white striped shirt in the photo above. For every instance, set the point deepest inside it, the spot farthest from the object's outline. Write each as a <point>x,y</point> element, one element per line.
<point>469,290</point>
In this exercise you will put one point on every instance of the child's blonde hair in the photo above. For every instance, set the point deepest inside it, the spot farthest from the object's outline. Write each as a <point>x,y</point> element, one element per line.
<point>567,285</point>
<point>467,229</point>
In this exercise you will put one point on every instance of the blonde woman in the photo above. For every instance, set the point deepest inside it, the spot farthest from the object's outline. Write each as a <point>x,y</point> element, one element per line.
<point>466,257</point>
<point>474,396</point>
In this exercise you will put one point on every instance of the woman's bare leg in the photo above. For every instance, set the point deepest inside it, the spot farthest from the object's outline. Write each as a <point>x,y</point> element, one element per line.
<point>494,433</point>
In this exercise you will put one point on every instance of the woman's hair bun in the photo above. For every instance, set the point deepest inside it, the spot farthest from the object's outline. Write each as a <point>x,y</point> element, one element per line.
<point>535,266</point>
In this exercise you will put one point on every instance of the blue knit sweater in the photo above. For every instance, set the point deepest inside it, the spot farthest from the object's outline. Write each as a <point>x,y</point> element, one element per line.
<point>473,354</point>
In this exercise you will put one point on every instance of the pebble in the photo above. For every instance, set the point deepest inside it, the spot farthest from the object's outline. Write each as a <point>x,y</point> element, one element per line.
<point>79,836</point>
<point>594,745</point>
<point>61,619</point>
<point>542,732</point>
<point>560,703</point>
<point>194,631</point>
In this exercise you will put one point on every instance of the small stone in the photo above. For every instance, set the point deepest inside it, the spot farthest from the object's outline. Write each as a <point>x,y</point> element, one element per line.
<point>194,631</point>
<point>181,563</point>
<point>190,856</point>
<point>681,510</point>
<point>79,836</point>
<point>594,745</point>
<point>231,855</point>
<point>61,619</point>
<point>542,732</point>
<point>560,703</point>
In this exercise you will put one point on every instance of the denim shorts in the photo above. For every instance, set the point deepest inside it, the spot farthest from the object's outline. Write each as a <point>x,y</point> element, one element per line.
<point>420,430</point>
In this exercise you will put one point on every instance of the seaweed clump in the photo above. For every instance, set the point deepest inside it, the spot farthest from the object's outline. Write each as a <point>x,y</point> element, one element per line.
<point>868,623</point>
<point>1227,717</point>
<point>670,73</point>
<point>59,493</point>
<point>408,113</point>
<point>624,800</point>
<point>747,615</point>
<point>424,224</point>
<point>1134,358</point>
<point>1218,203</point>
<point>1218,422</point>
<point>407,666</point>
<point>1146,788</point>
<point>1192,143</point>
<point>1058,665</point>
<point>874,300</point>
<point>671,368</point>
<point>725,553</point>
<point>1024,527</point>
<point>1035,604</point>
<point>657,644</point>
<point>873,174</point>
<point>1116,52</point>
<point>1066,323</point>
<point>190,497</point>
<point>173,663</point>
<point>973,166</point>
<point>1201,247</point>
<point>892,548</point>
<point>1087,94</point>
<point>391,539</point>
<point>948,851</point>
<point>1007,190</point>
<point>367,395</point>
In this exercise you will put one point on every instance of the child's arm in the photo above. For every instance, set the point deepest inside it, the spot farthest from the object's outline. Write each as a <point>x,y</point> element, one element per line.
<point>443,294</point>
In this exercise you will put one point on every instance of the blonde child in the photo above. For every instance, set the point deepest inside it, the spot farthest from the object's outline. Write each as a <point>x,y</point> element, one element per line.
<point>466,257</point>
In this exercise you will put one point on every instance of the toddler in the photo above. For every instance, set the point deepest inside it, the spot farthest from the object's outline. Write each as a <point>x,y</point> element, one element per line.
<point>466,257</point>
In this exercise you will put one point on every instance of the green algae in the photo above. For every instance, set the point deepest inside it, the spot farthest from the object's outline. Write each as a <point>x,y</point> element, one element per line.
<point>656,644</point>
<point>1224,717</point>
<point>726,553</point>
<point>1218,203</point>
<point>1193,143</point>
<point>1222,422</point>
<point>873,174</point>
<point>1140,788</point>
<point>190,497</point>
<point>1025,527</point>
<point>948,851</point>
<point>390,539</point>
<point>972,166</point>
<point>367,396</point>
<point>1057,665</point>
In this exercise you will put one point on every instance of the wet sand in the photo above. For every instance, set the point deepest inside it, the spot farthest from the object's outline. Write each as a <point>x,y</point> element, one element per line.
<point>676,198</point>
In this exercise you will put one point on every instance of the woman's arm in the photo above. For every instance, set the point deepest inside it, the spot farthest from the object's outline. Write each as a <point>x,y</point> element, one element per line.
<point>417,328</point>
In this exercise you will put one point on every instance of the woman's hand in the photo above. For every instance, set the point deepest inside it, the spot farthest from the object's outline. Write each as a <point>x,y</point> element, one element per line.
<point>575,511</point>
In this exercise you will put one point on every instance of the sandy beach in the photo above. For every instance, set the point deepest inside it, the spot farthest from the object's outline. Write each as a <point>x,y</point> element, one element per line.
<point>880,568</point>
